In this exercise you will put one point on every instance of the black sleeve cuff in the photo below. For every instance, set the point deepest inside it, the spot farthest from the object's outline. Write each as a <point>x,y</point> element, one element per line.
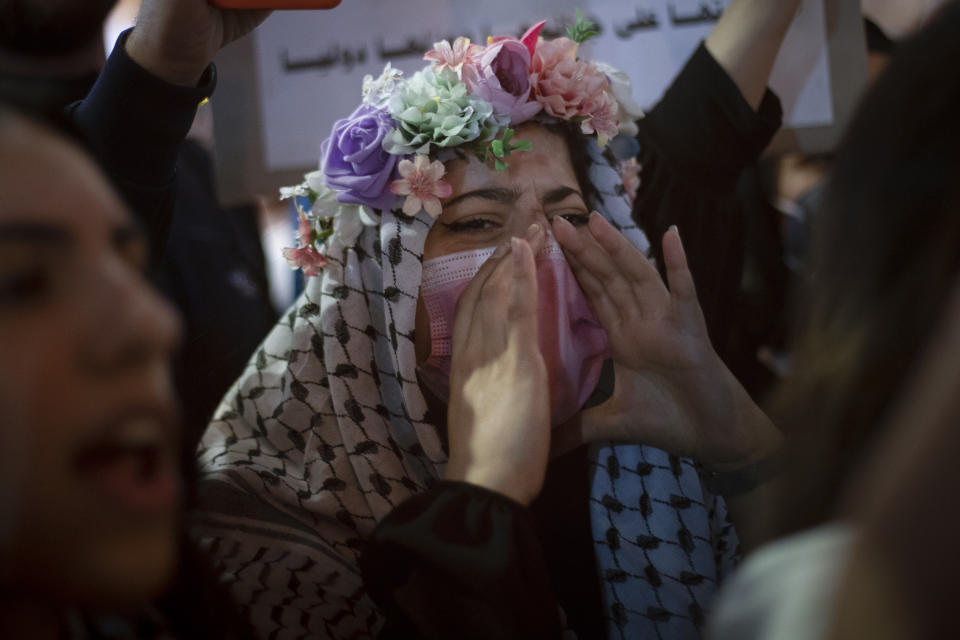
<point>134,122</point>
<point>705,128</point>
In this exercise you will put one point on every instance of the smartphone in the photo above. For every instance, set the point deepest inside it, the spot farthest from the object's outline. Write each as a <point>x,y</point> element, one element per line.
<point>275,4</point>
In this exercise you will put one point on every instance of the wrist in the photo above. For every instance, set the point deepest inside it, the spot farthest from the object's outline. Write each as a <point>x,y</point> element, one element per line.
<point>182,69</point>
<point>517,489</point>
<point>759,438</point>
<point>743,479</point>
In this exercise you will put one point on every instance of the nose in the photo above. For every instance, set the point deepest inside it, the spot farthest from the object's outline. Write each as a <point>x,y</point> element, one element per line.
<point>131,324</point>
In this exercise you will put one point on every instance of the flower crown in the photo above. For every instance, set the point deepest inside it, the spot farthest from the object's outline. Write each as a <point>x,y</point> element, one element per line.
<point>469,98</point>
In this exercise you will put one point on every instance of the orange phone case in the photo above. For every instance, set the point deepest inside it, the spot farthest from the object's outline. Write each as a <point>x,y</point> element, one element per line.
<point>275,4</point>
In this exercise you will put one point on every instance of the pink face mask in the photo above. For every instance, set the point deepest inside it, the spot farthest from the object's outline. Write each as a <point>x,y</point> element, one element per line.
<point>573,344</point>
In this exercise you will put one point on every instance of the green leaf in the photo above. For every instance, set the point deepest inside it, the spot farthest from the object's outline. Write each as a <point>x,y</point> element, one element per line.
<point>497,147</point>
<point>507,136</point>
<point>500,165</point>
<point>582,30</point>
<point>522,145</point>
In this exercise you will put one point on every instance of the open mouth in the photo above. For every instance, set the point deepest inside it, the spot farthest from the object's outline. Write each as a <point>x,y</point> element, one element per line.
<point>134,463</point>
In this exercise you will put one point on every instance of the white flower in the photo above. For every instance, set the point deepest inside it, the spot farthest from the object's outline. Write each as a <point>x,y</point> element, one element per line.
<point>326,204</point>
<point>349,220</point>
<point>297,191</point>
<point>348,223</point>
<point>377,92</point>
<point>628,111</point>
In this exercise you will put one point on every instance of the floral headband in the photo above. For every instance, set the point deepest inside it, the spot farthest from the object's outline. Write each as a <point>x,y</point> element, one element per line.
<point>470,98</point>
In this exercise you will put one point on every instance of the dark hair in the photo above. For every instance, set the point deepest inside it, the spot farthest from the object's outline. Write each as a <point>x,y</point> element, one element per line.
<point>886,251</point>
<point>51,27</point>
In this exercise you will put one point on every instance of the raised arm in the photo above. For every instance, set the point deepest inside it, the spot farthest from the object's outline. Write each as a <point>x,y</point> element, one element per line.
<point>746,40</point>
<point>139,111</point>
<point>175,40</point>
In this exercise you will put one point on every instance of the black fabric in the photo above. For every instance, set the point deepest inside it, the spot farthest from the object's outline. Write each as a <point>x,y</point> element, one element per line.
<point>562,516</point>
<point>761,310</point>
<point>134,124</point>
<point>448,546</point>
<point>213,270</point>
<point>459,561</point>
<point>694,145</point>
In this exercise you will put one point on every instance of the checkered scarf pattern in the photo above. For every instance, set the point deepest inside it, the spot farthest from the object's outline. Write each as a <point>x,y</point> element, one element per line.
<point>327,431</point>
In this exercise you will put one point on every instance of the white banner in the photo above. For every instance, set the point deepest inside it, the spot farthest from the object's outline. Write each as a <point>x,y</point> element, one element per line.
<point>310,64</point>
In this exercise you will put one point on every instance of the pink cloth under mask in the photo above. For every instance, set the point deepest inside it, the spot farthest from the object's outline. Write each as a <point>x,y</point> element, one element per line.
<point>572,341</point>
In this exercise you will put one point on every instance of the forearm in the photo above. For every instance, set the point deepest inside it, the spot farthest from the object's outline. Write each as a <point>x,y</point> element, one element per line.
<point>152,54</point>
<point>134,122</point>
<point>747,39</point>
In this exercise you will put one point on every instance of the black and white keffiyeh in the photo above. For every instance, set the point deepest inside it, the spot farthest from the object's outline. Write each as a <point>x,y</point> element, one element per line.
<point>327,431</point>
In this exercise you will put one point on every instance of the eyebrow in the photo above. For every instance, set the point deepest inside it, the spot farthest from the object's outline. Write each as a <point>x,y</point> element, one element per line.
<point>502,196</point>
<point>555,196</point>
<point>509,196</point>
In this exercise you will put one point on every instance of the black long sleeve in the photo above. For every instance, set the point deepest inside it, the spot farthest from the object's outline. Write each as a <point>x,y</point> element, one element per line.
<point>460,561</point>
<point>695,143</point>
<point>134,123</point>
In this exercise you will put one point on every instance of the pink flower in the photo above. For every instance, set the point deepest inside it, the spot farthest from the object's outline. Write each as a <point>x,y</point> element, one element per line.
<point>422,185</point>
<point>501,76</point>
<point>564,85</point>
<point>602,111</point>
<point>304,230</point>
<point>454,57</point>
<point>630,175</point>
<point>305,256</point>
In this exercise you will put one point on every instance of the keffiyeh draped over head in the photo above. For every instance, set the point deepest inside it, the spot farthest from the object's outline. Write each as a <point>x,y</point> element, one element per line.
<point>327,431</point>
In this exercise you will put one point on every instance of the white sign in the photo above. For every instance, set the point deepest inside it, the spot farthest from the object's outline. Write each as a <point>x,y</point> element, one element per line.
<point>310,64</point>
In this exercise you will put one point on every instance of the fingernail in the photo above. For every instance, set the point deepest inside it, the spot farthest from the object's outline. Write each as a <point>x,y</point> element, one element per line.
<point>515,249</point>
<point>675,228</point>
<point>533,231</point>
<point>500,251</point>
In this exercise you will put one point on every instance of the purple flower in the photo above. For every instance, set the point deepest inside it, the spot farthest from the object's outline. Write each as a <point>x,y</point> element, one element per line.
<point>354,162</point>
<point>501,76</point>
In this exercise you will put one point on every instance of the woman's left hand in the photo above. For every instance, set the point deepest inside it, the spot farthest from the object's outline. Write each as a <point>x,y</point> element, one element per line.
<point>672,391</point>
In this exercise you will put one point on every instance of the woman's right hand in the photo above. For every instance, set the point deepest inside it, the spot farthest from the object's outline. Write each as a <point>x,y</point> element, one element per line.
<point>499,412</point>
